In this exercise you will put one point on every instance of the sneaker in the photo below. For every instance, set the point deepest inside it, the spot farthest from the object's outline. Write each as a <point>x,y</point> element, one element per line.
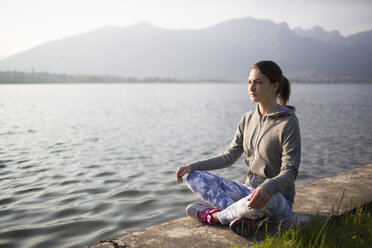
<point>244,227</point>
<point>201,212</point>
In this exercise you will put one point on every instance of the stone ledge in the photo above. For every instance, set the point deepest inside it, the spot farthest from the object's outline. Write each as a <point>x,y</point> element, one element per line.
<point>318,198</point>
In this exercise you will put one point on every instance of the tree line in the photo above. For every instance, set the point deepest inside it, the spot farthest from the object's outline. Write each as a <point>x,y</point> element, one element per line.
<point>19,77</point>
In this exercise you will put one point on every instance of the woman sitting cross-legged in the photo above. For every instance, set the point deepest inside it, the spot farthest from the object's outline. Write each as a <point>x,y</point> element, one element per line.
<point>270,138</point>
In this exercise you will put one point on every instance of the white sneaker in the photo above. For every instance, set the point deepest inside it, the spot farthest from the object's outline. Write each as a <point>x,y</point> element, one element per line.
<point>201,212</point>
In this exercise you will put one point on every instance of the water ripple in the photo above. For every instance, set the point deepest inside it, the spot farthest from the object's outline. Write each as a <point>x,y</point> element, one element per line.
<point>5,201</point>
<point>129,193</point>
<point>27,191</point>
<point>2,162</point>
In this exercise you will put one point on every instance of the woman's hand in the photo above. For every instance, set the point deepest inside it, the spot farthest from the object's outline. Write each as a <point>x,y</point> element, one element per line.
<point>259,198</point>
<point>183,170</point>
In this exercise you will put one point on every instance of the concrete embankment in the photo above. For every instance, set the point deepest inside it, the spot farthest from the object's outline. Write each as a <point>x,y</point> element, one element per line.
<point>317,198</point>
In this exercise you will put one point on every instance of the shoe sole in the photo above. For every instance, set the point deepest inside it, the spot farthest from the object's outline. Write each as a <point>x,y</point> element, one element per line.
<point>243,227</point>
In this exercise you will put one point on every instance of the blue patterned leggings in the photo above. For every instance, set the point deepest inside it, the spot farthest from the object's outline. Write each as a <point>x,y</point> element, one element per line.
<point>232,198</point>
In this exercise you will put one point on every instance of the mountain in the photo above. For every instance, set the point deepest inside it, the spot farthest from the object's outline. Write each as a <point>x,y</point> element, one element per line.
<point>226,51</point>
<point>318,33</point>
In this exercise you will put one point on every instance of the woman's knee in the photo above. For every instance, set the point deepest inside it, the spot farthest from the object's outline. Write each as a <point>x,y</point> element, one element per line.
<point>198,177</point>
<point>244,211</point>
<point>278,207</point>
<point>193,177</point>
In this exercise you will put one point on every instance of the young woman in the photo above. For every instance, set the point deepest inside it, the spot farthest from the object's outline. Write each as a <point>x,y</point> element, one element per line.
<point>270,138</point>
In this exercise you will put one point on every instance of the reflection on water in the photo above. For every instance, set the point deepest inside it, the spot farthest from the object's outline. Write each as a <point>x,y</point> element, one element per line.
<point>80,163</point>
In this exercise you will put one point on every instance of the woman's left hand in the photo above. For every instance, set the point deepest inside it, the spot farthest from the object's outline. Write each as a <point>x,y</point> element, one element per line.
<point>259,198</point>
<point>183,170</point>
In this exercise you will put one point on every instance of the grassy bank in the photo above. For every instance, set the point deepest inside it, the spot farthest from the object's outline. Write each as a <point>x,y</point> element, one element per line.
<point>353,229</point>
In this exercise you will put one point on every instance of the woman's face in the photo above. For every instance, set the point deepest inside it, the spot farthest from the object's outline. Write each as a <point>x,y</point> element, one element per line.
<point>259,87</point>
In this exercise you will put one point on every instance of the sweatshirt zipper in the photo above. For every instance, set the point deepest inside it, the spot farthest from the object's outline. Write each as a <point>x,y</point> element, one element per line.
<point>256,144</point>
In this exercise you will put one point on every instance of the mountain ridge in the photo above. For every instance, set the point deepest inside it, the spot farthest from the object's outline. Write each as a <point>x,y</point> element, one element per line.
<point>225,50</point>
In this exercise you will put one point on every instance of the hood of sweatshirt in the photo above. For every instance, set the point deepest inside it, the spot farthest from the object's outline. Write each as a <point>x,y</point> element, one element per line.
<point>281,111</point>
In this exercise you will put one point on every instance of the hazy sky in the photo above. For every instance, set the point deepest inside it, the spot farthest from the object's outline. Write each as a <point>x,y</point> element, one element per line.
<point>27,23</point>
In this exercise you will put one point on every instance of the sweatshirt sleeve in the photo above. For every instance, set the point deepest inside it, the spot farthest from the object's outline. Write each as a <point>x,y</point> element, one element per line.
<point>229,157</point>
<point>291,155</point>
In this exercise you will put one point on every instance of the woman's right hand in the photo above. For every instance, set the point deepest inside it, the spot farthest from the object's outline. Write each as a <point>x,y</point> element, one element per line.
<point>183,170</point>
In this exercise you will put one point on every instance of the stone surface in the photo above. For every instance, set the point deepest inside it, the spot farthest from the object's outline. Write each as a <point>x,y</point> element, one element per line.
<point>335,194</point>
<point>314,199</point>
<point>184,232</point>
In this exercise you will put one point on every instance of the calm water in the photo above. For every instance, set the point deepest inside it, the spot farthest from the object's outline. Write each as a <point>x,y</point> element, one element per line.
<point>80,163</point>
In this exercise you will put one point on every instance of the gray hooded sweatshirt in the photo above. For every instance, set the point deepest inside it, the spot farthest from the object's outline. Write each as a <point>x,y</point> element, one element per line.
<point>272,147</point>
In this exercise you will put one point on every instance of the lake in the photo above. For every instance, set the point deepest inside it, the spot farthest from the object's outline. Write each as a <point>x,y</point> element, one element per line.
<point>83,162</point>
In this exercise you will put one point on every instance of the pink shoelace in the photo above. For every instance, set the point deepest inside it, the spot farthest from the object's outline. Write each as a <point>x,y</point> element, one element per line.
<point>205,217</point>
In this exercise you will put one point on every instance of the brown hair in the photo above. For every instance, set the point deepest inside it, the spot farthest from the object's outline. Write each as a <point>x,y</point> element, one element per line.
<point>273,72</point>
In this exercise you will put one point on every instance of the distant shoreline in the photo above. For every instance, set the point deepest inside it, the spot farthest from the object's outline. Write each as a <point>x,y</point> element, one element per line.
<point>18,77</point>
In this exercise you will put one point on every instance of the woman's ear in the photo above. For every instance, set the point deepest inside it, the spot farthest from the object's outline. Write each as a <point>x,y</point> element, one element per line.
<point>276,86</point>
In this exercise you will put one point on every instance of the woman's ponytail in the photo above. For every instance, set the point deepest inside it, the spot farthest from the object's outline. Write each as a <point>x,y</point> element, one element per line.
<point>273,72</point>
<point>284,91</point>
